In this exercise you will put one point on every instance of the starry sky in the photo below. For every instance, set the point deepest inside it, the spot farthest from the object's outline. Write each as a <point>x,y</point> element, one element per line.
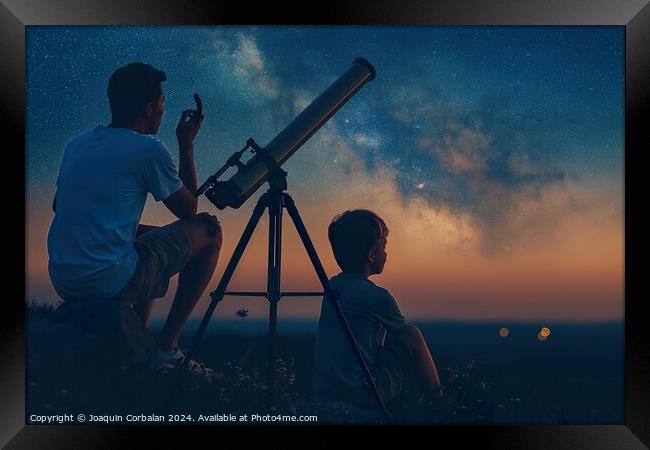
<point>495,154</point>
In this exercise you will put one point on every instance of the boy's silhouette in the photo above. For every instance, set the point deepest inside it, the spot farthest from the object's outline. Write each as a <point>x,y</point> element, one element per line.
<point>395,351</point>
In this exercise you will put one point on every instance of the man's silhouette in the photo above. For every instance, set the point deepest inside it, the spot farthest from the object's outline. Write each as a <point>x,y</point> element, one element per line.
<point>97,248</point>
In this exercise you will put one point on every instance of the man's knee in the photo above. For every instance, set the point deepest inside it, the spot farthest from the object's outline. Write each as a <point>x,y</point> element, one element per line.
<point>212,229</point>
<point>214,242</point>
<point>204,233</point>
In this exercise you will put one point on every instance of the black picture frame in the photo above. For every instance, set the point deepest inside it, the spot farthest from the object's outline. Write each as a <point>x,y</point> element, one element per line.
<point>634,15</point>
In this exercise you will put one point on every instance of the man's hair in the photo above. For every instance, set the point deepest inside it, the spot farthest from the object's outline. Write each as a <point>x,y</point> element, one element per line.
<point>131,87</point>
<point>353,234</point>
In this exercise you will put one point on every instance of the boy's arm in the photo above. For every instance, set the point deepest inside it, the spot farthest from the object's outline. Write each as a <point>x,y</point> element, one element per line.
<point>390,315</point>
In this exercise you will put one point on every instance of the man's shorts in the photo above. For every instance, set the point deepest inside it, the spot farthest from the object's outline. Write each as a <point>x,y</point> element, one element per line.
<point>162,253</point>
<point>392,365</point>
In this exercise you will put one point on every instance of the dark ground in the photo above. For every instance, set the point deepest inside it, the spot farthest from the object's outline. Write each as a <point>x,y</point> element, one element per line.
<point>575,377</point>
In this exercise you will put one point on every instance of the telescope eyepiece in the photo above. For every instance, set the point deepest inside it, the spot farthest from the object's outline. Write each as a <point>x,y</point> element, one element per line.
<point>366,63</point>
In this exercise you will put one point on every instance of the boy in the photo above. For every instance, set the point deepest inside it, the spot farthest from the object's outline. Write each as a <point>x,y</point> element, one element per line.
<point>394,350</point>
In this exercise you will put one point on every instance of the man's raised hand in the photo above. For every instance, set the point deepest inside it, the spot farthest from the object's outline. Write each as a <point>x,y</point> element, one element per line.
<point>189,124</point>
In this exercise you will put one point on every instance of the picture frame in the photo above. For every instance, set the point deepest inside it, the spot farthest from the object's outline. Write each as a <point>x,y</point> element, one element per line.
<point>16,15</point>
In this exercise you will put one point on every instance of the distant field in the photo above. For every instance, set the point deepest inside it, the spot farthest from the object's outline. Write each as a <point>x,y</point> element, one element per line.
<point>575,376</point>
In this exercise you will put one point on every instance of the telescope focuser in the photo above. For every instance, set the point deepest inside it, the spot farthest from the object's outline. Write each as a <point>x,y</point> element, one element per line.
<point>233,161</point>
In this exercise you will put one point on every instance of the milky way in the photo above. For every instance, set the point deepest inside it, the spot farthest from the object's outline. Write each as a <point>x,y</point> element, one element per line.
<point>503,131</point>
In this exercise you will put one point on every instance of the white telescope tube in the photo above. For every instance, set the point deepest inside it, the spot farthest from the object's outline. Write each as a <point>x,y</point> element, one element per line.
<point>254,173</point>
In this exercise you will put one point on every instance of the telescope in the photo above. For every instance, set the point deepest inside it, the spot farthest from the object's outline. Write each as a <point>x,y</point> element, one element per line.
<point>264,166</point>
<point>252,174</point>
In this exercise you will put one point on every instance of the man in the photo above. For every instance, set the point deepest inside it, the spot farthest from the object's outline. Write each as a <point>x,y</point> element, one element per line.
<point>97,248</point>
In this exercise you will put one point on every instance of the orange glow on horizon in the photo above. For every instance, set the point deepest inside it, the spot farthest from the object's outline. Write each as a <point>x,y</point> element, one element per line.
<point>435,269</point>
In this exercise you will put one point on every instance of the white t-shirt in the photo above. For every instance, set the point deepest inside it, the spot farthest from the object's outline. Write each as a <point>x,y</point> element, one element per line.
<point>103,182</point>
<point>371,311</point>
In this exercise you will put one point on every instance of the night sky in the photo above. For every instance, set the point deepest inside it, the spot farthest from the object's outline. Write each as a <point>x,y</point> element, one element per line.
<point>495,154</point>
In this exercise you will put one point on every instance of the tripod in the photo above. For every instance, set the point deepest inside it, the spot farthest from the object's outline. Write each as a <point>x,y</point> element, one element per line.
<point>276,200</point>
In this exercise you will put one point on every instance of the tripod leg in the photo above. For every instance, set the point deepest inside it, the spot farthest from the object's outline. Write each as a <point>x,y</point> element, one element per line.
<point>219,293</point>
<point>273,286</point>
<point>331,295</point>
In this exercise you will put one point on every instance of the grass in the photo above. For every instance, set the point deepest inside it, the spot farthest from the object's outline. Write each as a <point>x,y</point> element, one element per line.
<point>476,392</point>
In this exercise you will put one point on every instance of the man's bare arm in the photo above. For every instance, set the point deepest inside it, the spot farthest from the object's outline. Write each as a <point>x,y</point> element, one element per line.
<point>186,168</point>
<point>186,130</point>
<point>182,203</point>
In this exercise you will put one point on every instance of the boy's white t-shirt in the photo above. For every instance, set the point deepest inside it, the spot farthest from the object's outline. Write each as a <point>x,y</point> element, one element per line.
<point>102,188</point>
<point>371,311</point>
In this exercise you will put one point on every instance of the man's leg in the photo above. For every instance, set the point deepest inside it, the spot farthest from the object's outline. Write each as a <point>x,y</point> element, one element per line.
<point>194,277</point>
<point>143,310</point>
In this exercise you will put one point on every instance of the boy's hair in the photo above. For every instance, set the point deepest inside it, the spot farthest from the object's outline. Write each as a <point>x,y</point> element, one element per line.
<point>131,87</point>
<point>353,234</point>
